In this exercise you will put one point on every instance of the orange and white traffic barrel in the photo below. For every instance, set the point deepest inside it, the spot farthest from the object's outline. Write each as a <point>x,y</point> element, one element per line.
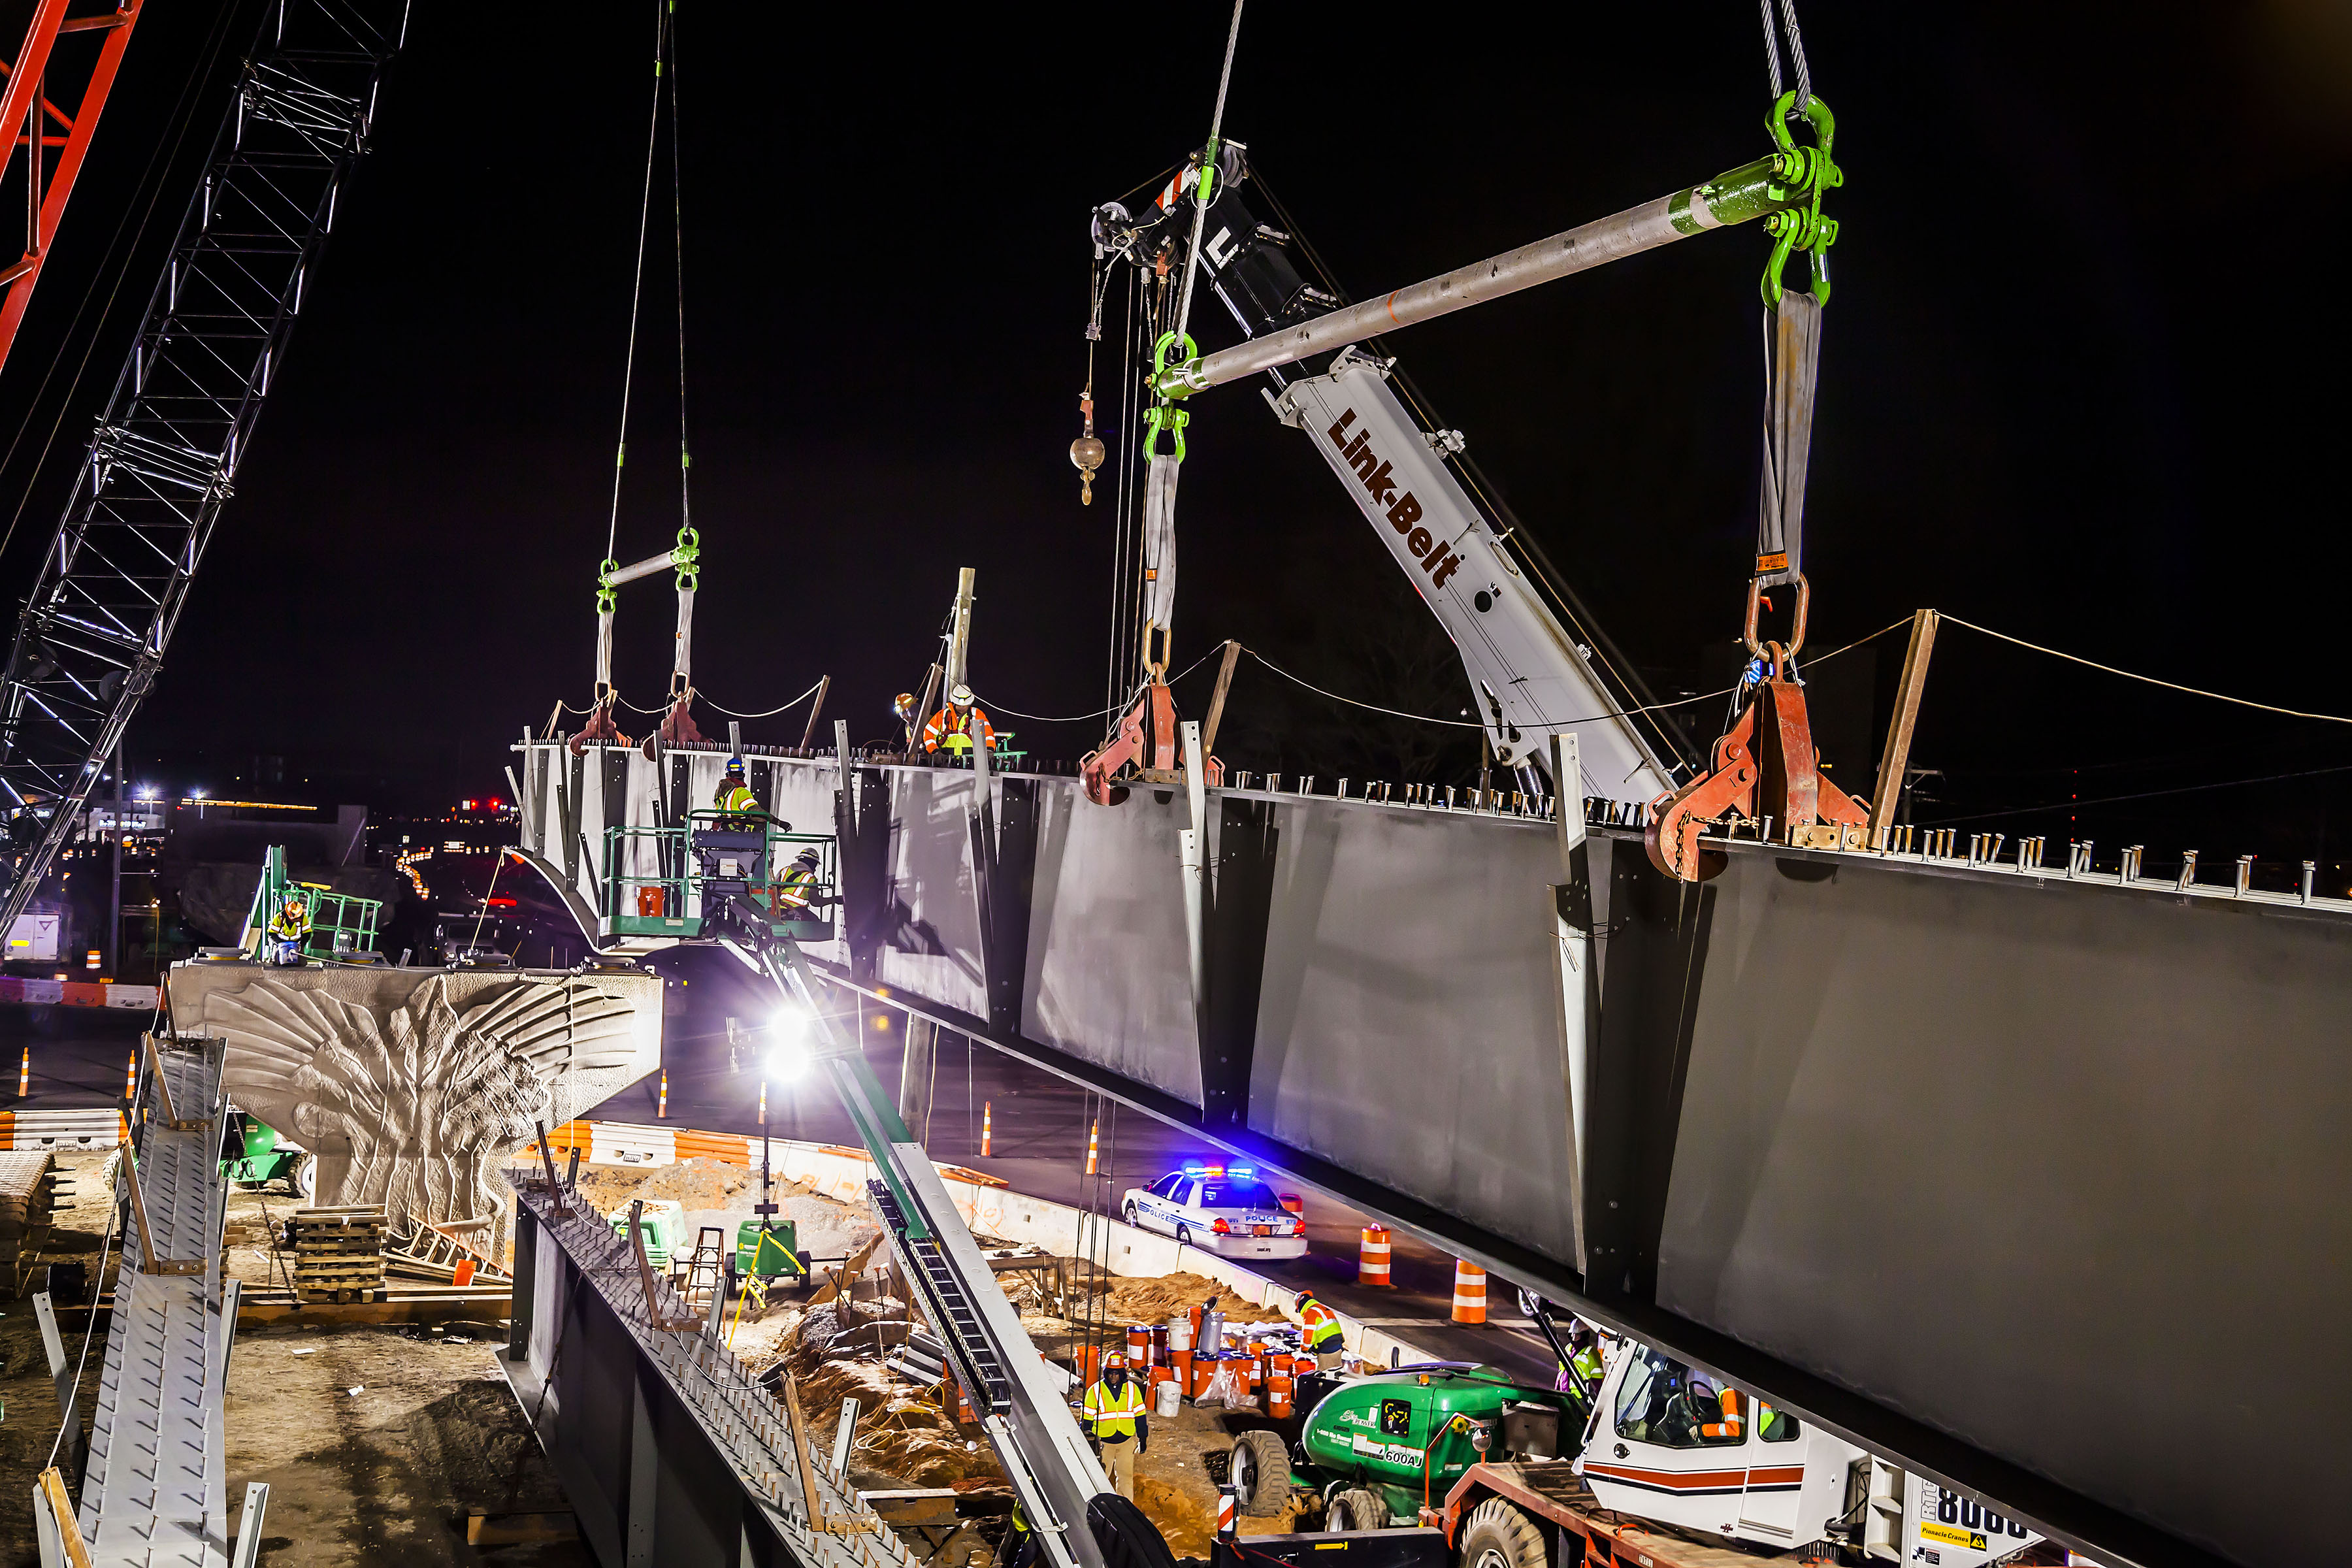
<point>1469,1293</point>
<point>1372,1257</point>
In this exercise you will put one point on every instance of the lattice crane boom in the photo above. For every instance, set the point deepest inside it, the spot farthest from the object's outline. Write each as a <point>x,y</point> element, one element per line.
<point>92,634</point>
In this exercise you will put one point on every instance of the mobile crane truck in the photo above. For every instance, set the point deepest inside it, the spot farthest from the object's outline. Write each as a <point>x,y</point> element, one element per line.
<point>1668,1468</point>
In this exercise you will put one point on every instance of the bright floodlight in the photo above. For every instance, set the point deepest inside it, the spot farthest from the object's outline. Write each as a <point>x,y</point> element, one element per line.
<point>788,1035</point>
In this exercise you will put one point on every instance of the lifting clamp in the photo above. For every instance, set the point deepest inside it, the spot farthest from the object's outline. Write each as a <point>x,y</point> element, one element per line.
<point>1765,768</point>
<point>1148,729</point>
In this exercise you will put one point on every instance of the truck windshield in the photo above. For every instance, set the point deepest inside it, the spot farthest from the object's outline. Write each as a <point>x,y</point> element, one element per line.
<point>1238,1195</point>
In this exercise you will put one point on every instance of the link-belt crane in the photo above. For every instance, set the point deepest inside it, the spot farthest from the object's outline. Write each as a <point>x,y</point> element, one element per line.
<point>1531,675</point>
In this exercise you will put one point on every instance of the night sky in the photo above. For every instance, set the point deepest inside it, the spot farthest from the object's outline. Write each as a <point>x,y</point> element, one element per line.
<point>2082,381</point>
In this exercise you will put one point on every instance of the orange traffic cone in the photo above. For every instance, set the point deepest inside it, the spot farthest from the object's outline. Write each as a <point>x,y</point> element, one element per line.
<point>1469,1293</point>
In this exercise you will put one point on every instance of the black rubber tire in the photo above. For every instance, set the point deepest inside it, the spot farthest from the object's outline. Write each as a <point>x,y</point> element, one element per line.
<point>1354,1509</point>
<point>1499,1534</point>
<point>1261,1468</point>
<point>1183,1236</point>
<point>1131,1218</point>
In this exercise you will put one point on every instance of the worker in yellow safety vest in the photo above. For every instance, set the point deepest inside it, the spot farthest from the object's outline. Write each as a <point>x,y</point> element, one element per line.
<point>1319,1325</point>
<point>1116,1413</point>
<point>734,797</point>
<point>290,927</point>
<point>1580,1374</point>
<point>796,886</point>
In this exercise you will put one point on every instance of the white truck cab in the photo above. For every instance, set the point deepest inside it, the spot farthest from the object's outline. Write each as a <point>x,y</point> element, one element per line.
<point>1678,1444</point>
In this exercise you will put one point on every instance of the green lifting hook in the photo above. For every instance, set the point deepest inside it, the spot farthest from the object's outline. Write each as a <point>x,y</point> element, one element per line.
<point>1799,177</point>
<point>1163,415</point>
<point>607,597</point>
<point>688,559</point>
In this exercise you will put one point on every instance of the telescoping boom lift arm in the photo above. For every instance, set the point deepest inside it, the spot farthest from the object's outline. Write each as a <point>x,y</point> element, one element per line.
<point>1028,1425</point>
<point>1529,676</point>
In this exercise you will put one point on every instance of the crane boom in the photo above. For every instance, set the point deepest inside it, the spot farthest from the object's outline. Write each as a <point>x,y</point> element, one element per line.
<point>162,463</point>
<point>1529,678</point>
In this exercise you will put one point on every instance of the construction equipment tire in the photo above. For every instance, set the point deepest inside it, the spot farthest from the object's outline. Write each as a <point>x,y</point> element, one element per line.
<point>1261,1473</point>
<point>1358,1509</point>
<point>1500,1534</point>
<point>304,1177</point>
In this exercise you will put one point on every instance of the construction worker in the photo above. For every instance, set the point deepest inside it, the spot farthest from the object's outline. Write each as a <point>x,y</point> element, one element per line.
<point>1020,1549</point>
<point>1115,1411</point>
<point>796,885</point>
<point>734,797</point>
<point>1584,1355</point>
<point>902,707</point>
<point>1729,1428</point>
<point>1319,1325</point>
<point>290,927</point>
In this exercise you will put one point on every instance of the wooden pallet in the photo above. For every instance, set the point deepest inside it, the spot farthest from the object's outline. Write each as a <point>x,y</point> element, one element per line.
<point>339,1253</point>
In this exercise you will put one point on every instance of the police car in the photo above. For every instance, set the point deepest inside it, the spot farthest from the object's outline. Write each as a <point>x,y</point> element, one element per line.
<point>1222,1209</point>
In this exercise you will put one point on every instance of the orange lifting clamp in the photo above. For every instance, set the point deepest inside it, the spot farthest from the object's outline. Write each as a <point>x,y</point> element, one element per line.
<point>1766,769</point>
<point>1156,707</point>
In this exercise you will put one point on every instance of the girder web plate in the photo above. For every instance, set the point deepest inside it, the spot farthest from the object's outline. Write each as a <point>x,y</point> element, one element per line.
<point>155,1493</point>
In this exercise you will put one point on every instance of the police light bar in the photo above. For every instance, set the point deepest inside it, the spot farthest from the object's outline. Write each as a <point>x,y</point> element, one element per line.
<point>1241,1173</point>
<point>1196,1168</point>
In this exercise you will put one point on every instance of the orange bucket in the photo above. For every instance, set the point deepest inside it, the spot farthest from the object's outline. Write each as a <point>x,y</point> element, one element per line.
<point>649,903</point>
<point>1181,1363</point>
<point>1139,1346</point>
<point>1090,1365</point>
<point>1204,1371</point>
<point>1278,1391</point>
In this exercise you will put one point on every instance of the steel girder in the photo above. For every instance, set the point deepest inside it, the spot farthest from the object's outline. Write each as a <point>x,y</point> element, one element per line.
<point>164,457</point>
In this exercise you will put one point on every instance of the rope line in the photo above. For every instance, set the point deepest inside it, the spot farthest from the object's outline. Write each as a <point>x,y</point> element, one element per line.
<point>1099,713</point>
<point>772,712</point>
<point>2150,680</point>
<point>1200,208</point>
<point>1620,713</point>
<point>2143,795</point>
<point>638,290</point>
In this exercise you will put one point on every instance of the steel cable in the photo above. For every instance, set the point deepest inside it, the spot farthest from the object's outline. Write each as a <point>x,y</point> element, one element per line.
<point>638,290</point>
<point>2150,680</point>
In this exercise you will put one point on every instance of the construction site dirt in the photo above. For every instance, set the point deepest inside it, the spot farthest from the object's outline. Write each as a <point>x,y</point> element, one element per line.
<point>384,1443</point>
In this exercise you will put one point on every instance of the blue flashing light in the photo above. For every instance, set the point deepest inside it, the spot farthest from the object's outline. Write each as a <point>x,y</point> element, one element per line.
<point>1241,1173</point>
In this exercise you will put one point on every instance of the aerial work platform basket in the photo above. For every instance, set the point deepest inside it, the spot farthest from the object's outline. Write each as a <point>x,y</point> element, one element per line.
<point>655,878</point>
<point>342,926</point>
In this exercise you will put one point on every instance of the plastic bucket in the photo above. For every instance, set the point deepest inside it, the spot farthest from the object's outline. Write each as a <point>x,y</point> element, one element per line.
<point>1168,1398</point>
<point>1204,1371</point>
<point>1179,1334</point>
<point>649,903</point>
<point>1139,1346</point>
<point>1278,1391</point>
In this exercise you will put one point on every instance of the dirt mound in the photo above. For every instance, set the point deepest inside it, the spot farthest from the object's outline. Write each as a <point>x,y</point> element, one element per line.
<point>1156,1301</point>
<point>834,1332</point>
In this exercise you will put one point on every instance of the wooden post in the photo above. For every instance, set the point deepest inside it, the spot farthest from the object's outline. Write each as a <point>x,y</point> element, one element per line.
<point>817,711</point>
<point>1217,698</point>
<point>1897,756</point>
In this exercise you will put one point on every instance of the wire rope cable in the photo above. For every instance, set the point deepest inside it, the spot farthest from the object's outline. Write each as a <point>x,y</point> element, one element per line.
<point>1208,173</point>
<point>771,712</point>
<point>678,207</point>
<point>1796,52</point>
<point>2150,680</point>
<point>637,289</point>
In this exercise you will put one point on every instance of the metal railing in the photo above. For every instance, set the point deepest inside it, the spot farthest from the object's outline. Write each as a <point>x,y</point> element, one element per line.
<point>652,882</point>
